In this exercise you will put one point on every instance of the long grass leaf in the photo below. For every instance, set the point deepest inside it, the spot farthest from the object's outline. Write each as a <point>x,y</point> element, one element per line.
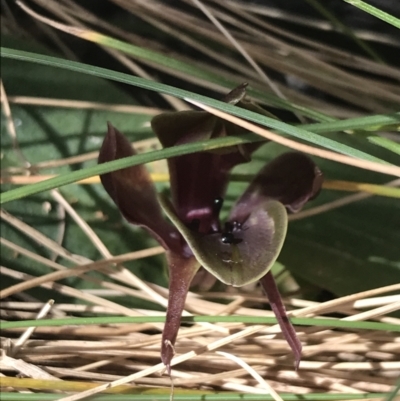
<point>385,143</point>
<point>69,178</point>
<point>301,321</point>
<point>376,12</point>
<point>169,90</point>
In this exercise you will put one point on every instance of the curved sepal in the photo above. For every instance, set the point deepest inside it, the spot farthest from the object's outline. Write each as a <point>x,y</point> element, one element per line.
<point>133,191</point>
<point>292,179</point>
<point>256,244</point>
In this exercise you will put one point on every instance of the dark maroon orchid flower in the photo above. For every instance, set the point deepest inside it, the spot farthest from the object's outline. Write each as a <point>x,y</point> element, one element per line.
<point>238,252</point>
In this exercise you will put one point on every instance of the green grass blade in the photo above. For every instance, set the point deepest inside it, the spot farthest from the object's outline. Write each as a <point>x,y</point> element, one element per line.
<point>69,178</point>
<point>376,12</point>
<point>385,143</point>
<point>152,156</point>
<point>301,321</point>
<point>297,132</point>
<point>369,123</point>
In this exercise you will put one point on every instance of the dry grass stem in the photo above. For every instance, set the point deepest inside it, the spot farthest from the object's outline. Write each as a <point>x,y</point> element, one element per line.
<point>122,345</point>
<point>81,104</point>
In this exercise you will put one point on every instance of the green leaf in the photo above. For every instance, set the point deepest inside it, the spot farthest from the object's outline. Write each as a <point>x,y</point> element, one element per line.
<point>351,249</point>
<point>368,123</point>
<point>168,90</point>
<point>70,178</point>
<point>385,143</point>
<point>108,167</point>
<point>300,321</point>
<point>376,12</point>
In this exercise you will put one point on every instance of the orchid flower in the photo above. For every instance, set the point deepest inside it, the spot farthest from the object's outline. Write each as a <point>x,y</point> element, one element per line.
<point>238,252</point>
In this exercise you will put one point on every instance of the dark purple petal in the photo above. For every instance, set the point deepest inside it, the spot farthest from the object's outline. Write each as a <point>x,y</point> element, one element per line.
<point>133,192</point>
<point>291,178</point>
<point>198,179</point>
<point>279,310</point>
<point>189,173</point>
<point>180,127</point>
<point>177,128</point>
<point>181,272</point>
<point>196,182</point>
